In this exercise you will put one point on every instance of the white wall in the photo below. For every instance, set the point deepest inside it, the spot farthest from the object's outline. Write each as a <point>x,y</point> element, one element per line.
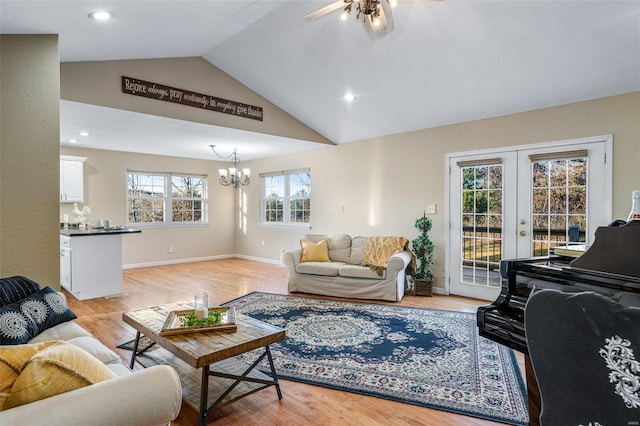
<point>385,183</point>
<point>105,184</point>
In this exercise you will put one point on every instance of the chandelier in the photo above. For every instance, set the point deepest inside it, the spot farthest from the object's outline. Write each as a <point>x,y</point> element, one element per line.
<point>366,8</point>
<point>375,15</point>
<point>233,175</point>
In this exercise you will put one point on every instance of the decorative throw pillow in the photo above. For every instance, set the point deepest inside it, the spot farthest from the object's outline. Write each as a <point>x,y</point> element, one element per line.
<point>56,367</point>
<point>12,359</point>
<point>16,327</point>
<point>15,288</point>
<point>26,318</point>
<point>47,308</point>
<point>314,252</point>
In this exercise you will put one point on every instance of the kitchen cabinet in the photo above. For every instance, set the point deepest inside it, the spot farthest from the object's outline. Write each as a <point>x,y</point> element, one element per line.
<point>91,262</point>
<point>72,179</point>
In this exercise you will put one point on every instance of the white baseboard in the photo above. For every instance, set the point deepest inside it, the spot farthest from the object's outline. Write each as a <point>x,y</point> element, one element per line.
<point>201,259</point>
<point>259,259</point>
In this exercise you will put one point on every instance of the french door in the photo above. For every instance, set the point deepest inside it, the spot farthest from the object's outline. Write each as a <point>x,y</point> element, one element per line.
<point>519,203</point>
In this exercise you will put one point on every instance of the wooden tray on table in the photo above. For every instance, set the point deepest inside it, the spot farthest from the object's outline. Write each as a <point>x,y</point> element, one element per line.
<point>221,318</point>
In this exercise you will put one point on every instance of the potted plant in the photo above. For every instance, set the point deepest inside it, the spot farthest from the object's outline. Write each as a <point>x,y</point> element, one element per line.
<point>423,249</point>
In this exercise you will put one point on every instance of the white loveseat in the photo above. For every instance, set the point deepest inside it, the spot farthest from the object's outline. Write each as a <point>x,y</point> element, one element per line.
<point>344,275</point>
<point>144,397</point>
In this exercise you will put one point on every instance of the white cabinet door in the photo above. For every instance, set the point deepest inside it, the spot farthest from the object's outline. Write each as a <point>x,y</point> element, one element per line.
<point>72,179</point>
<point>65,263</point>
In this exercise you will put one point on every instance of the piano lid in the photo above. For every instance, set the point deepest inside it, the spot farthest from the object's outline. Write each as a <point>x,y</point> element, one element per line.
<point>615,250</point>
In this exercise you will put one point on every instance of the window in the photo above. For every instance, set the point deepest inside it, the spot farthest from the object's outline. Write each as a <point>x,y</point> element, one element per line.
<point>151,195</point>
<point>287,197</point>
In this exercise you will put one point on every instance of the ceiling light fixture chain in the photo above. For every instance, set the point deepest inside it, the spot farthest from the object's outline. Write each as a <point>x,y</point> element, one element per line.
<point>233,175</point>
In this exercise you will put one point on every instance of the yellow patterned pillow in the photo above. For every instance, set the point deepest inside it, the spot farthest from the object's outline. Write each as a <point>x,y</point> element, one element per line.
<point>47,369</point>
<point>314,252</point>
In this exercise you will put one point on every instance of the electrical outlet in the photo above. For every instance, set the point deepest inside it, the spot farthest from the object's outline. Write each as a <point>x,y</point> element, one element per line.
<point>170,248</point>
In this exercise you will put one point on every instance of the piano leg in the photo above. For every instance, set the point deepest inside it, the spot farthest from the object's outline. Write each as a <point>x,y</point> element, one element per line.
<point>533,393</point>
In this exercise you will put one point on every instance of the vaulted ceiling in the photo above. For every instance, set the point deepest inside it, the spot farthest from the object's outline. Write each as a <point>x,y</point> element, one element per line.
<point>445,62</point>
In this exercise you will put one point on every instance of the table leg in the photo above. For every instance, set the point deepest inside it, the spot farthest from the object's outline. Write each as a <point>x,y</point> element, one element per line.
<point>274,375</point>
<point>204,394</point>
<point>134,351</point>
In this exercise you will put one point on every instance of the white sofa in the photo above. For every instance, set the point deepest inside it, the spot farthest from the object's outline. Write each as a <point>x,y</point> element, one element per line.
<point>345,275</point>
<point>151,396</point>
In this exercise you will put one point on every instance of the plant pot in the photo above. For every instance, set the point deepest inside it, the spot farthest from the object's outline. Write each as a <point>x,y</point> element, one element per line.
<point>423,287</point>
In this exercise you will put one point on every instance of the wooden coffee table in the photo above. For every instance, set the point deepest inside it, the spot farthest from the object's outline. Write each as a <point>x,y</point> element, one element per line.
<point>212,352</point>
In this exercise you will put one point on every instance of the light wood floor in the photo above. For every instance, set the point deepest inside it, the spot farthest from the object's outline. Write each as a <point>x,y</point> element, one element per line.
<point>301,404</point>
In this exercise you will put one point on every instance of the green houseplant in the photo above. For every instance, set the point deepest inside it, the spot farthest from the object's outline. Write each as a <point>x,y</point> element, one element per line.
<point>423,249</point>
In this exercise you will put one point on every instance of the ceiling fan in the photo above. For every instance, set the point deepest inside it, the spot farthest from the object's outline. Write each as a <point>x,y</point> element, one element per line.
<point>375,15</point>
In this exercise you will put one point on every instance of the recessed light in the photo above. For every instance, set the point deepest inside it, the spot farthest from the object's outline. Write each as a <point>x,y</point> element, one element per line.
<point>84,133</point>
<point>72,140</point>
<point>349,97</point>
<point>101,15</point>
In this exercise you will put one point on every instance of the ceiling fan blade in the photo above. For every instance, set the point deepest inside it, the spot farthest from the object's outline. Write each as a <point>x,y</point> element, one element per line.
<point>384,25</point>
<point>325,10</point>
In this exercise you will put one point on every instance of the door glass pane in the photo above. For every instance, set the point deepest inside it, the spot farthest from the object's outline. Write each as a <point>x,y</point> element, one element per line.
<point>481,218</point>
<point>559,203</point>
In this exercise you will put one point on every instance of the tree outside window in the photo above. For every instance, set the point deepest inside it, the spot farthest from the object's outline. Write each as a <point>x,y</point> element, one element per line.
<point>151,195</point>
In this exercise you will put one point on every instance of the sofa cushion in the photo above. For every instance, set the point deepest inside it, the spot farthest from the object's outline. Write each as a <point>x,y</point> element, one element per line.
<point>15,288</point>
<point>339,245</point>
<point>65,331</point>
<point>49,369</point>
<point>314,251</point>
<point>95,347</point>
<point>356,271</point>
<point>358,244</point>
<point>327,269</point>
<point>47,308</point>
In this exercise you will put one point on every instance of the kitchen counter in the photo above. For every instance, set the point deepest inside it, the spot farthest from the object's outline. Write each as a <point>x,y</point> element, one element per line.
<point>75,232</point>
<point>91,266</point>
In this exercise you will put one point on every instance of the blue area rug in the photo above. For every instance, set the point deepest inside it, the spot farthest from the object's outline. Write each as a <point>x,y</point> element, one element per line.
<point>424,357</point>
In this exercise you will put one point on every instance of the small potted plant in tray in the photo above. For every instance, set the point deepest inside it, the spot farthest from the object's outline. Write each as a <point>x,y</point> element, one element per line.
<point>423,249</point>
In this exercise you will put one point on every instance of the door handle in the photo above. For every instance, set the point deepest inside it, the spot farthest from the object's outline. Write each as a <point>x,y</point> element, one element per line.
<point>523,233</point>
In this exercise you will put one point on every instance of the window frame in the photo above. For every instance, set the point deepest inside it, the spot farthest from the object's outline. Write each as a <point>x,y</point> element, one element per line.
<point>287,199</point>
<point>167,200</point>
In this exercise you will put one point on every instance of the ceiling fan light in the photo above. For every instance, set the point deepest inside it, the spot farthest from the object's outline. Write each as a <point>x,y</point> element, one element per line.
<point>344,16</point>
<point>393,3</point>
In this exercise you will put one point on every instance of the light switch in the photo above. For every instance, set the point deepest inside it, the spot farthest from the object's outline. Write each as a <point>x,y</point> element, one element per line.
<point>431,209</point>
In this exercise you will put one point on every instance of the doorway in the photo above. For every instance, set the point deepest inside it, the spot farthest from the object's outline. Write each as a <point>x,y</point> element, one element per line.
<point>520,202</point>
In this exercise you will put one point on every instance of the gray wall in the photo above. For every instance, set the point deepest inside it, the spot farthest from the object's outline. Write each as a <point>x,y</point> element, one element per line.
<point>29,157</point>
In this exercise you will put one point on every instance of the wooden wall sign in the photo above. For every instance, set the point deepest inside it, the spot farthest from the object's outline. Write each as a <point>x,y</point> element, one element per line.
<point>147,89</point>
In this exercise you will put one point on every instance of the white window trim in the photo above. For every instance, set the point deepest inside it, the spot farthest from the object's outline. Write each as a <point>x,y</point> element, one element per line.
<point>286,204</point>
<point>168,223</point>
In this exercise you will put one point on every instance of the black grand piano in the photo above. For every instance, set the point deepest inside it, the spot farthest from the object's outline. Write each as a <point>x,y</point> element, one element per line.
<point>611,266</point>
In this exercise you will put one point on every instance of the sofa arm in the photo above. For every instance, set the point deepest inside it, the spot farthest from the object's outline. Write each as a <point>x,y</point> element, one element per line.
<point>151,396</point>
<point>291,258</point>
<point>396,265</point>
<point>398,262</point>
